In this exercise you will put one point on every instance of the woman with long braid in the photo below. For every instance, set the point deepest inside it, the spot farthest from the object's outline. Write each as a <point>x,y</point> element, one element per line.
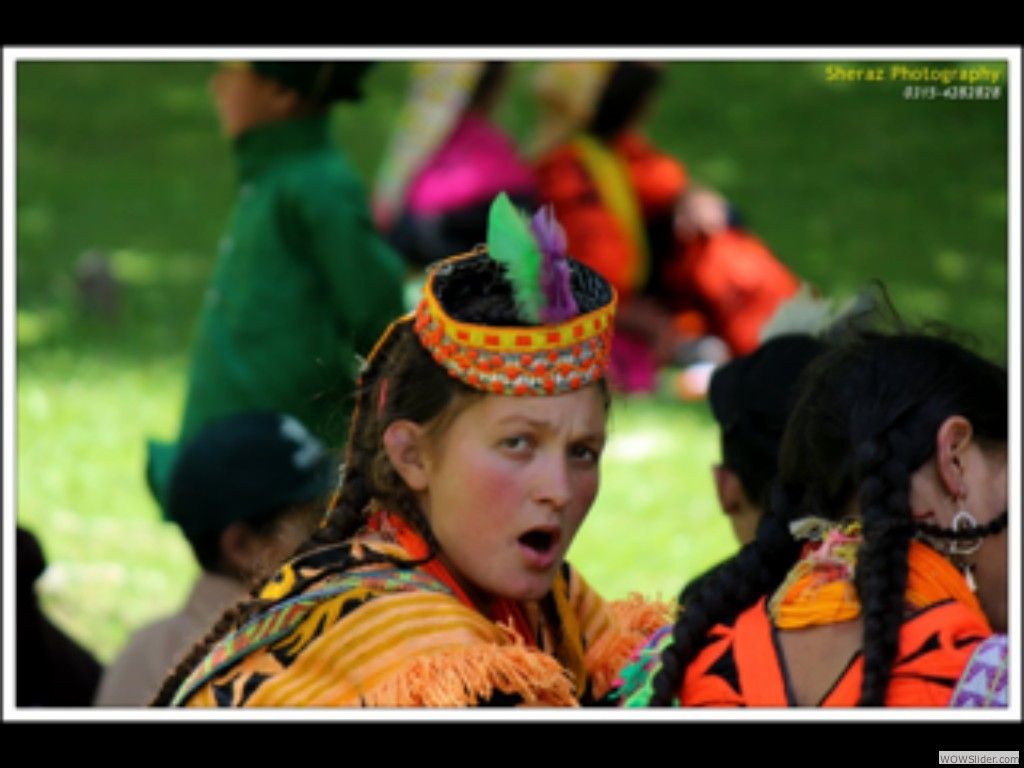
<point>438,577</point>
<point>880,568</point>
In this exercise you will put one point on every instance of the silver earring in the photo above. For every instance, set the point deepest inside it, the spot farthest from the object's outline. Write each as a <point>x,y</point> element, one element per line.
<point>964,521</point>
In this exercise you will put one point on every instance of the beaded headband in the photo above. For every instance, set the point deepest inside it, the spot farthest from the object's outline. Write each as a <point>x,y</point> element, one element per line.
<point>564,351</point>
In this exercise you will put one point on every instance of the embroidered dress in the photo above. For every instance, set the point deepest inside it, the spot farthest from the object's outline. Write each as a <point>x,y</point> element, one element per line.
<point>368,623</point>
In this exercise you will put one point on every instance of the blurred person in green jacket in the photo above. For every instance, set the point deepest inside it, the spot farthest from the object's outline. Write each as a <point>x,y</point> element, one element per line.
<point>303,282</point>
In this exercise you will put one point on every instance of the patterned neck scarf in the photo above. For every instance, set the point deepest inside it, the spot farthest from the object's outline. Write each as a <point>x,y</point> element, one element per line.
<point>819,589</point>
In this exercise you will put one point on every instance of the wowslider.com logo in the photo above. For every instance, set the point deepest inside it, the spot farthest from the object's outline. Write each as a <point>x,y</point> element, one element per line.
<point>979,757</point>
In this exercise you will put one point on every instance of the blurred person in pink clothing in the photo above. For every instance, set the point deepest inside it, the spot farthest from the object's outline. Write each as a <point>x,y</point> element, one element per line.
<point>446,161</point>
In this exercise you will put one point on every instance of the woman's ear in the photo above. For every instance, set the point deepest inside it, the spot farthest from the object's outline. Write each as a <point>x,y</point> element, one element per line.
<point>403,445</point>
<point>952,440</point>
<point>729,488</point>
<point>239,550</point>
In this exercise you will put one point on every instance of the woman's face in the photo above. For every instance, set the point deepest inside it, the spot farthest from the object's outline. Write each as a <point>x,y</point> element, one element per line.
<point>245,100</point>
<point>507,486</point>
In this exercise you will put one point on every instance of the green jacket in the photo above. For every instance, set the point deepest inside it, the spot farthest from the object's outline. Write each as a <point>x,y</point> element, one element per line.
<point>302,283</point>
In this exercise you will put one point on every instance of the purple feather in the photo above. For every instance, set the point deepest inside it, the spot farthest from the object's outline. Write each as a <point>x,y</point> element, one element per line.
<point>559,303</point>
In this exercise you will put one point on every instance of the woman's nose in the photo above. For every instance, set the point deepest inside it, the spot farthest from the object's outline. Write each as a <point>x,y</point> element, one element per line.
<point>554,484</point>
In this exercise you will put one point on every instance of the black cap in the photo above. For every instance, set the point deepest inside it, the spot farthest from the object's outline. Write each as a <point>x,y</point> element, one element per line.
<point>248,467</point>
<point>322,81</point>
<point>751,397</point>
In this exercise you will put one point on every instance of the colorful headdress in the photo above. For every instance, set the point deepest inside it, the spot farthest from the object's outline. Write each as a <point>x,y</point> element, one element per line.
<point>568,308</point>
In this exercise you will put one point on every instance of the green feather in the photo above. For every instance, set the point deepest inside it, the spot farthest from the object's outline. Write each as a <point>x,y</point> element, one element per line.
<point>510,242</point>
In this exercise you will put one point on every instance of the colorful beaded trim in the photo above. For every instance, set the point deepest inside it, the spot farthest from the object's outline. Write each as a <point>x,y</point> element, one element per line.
<point>543,360</point>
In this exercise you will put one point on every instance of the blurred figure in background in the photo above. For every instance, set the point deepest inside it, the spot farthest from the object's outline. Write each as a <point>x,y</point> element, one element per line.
<point>245,492</point>
<point>694,286</point>
<point>447,160</point>
<point>750,397</point>
<point>303,282</point>
<point>52,670</point>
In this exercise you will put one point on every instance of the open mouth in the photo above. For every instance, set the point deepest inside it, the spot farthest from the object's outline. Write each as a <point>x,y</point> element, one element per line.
<point>541,540</point>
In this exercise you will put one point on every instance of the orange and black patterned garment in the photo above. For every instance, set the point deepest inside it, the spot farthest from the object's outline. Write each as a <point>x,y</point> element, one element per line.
<point>741,664</point>
<point>369,623</point>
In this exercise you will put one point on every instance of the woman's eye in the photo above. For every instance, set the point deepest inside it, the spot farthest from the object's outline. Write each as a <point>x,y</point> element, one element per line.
<point>516,443</point>
<point>585,453</point>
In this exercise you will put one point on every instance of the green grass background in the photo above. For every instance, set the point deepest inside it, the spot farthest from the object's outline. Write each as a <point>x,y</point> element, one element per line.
<point>845,181</point>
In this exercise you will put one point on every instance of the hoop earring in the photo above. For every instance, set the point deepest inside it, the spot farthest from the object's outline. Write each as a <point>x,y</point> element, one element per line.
<point>964,521</point>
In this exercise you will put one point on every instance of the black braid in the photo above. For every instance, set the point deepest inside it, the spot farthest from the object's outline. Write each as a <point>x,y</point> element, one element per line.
<point>347,509</point>
<point>720,597</point>
<point>882,561</point>
<point>397,368</point>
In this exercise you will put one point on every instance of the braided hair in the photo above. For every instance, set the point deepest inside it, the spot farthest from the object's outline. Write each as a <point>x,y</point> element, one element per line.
<point>864,422</point>
<point>399,381</point>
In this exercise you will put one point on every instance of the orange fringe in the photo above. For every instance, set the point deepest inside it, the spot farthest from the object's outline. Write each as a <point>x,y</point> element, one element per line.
<point>463,676</point>
<point>633,620</point>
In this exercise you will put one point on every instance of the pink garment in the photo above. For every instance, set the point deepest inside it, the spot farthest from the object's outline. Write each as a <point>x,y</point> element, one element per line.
<point>475,163</point>
<point>632,367</point>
